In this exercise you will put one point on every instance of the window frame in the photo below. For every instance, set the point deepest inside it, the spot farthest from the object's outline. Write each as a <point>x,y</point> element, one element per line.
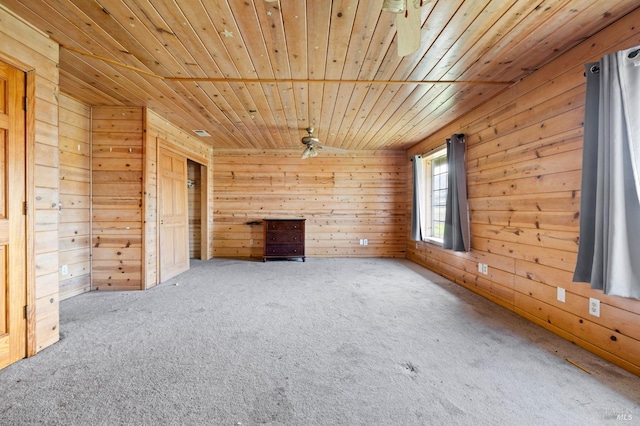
<point>427,208</point>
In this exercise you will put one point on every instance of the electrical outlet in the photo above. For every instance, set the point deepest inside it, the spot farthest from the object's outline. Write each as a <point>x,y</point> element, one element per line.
<point>64,269</point>
<point>561,294</point>
<point>366,242</point>
<point>485,268</point>
<point>361,242</point>
<point>480,267</point>
<point>594,307</point>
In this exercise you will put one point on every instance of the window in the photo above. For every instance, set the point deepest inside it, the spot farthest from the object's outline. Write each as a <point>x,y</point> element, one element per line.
<point>435,185</point>
<point>439,181</point>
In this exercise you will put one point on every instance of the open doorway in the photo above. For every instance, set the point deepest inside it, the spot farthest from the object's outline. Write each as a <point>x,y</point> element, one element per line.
<point>196,191</point>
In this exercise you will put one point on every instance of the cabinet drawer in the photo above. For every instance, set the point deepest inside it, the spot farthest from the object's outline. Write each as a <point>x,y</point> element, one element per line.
<point>284,225</point>
<point>284,237</point>
<point>292,250</point>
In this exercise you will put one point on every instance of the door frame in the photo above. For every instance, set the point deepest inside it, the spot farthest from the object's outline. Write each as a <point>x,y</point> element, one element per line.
<point>29,163</point>
<point>204,208</point>
<point>205,164</point>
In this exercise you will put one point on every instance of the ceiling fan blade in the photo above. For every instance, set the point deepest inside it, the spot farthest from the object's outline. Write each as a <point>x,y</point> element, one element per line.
<point>408,25</point>
<point>332,149</point>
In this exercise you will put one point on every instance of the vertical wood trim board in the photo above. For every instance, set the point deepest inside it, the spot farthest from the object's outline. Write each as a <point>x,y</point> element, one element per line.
<point>32,347</point>
<point>150,209</point>
<point>117,167</point>
<point>143,201</point>
<point>524,151</point>
<point>40,57</point>
<point>75,181</point>
<point>344,197</point>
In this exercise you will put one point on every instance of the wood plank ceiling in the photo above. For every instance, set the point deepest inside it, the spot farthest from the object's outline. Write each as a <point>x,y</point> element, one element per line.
<point>255,74</point>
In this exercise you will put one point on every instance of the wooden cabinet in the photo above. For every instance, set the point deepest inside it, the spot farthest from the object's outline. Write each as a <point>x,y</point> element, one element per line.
<point>283,238</point>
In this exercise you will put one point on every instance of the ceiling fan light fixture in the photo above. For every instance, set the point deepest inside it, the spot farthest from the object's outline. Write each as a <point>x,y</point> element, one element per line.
<point>309,151</point>
<point>394,6</point>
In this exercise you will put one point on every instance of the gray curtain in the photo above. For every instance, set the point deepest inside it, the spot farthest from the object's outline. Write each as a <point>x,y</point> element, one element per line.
<point>457,235</point>
<point>609,247</point>
<point>418,196</point>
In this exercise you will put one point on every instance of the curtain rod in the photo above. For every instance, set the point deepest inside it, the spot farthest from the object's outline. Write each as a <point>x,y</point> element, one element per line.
<point>435,148</point>
<point>595,69</point>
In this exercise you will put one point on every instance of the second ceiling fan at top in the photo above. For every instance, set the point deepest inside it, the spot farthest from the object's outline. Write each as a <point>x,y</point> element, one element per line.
<point>408,23</point>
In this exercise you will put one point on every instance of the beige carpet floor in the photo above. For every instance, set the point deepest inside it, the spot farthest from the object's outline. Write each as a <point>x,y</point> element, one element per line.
<point>324,342</point>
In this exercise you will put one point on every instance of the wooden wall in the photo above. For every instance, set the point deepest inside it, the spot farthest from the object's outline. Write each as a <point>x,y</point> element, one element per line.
<point>161,132</point>
<point>116,185</point>
<point>344,197</point>
<point>30,50</point>
<point>122,183</point>
<point>524,152</point>
<point>75,205</point>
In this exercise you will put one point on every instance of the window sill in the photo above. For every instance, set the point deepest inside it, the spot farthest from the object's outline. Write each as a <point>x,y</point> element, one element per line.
<point>434,241</point>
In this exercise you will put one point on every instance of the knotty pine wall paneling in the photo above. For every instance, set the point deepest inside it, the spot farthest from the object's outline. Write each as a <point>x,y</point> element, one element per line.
<point>117,165</point>
<point>344,197</point>
<point>161,132</point>
<point>524,154</point>
<point>75,212</point>
<point>29,49</point>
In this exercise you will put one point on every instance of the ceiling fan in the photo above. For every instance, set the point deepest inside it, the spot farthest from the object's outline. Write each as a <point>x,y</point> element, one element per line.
<point>312,145</point>
<point>408,23</point>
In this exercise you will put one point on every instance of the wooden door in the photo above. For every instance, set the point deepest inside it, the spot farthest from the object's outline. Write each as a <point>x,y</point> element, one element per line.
<point>174,215</point>
<point>13,289</point>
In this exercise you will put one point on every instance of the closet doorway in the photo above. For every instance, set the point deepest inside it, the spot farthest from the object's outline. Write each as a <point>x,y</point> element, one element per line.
<point>182,211</point>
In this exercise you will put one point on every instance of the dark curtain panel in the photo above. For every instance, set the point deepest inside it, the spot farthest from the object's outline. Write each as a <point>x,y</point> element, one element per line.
<point>457,234</point>
<point>589,181</point>
<point>418,196</point>
<point>609,249</point>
